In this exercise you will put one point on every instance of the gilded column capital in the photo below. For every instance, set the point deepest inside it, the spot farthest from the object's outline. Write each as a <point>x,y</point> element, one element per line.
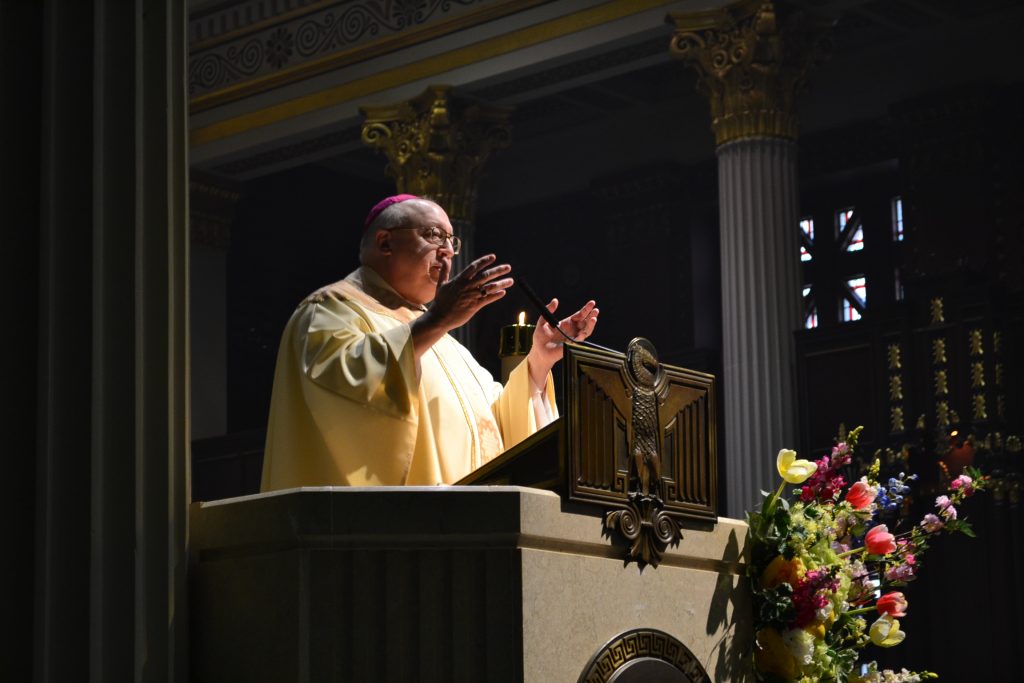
<point>436,145</point>
<point>750,63</point>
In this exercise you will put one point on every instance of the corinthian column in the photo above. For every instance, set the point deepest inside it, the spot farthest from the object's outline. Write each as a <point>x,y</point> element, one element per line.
<point>436,145</point>
<point>750,66</point>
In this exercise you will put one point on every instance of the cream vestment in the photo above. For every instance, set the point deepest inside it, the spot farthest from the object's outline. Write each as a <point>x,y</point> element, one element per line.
<point>350,407</point>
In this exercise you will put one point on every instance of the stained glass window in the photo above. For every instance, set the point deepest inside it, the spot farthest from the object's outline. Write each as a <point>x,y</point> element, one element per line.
<point>855,299</point>
<point>806,238</point>
<point>849,229</point>
<point>810,310</point>
<point>897,220</point>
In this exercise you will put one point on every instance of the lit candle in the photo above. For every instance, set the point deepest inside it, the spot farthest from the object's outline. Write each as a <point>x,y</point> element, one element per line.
<point>515,343</point>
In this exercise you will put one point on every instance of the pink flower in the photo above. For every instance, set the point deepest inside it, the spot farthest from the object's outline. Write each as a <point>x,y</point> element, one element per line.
<point>942,502</point>
<point>963,481</point>
<point>949,512</point>
<point>910,560</point>
<point>893,604</point>
<point>931,523</point>
<point>900,573</point>
<point>861,494</point>
<point>879,541</point>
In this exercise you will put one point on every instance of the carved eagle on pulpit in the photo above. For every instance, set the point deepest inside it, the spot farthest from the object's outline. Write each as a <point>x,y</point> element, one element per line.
<point>643,372</point>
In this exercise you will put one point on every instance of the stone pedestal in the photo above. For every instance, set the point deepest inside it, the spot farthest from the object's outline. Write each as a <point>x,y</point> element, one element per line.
<point>452,584</point>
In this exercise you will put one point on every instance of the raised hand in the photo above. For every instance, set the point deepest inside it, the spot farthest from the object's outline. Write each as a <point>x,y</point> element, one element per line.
<point>547,341</point>
<point>458,299</point>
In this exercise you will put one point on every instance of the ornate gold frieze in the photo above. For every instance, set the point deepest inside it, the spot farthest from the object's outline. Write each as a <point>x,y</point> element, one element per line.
<point>977,375</point>
<point>894,352</point>
<point>938,351</point>
<point>998,370</point>
<point>936,309</point>
<point>750,64</point>
<point>436,145</point>
<point>895,388</point>
<point>942,414</point>
<point>941,383</point>
<point>896,415</point>
<point>974,343</point>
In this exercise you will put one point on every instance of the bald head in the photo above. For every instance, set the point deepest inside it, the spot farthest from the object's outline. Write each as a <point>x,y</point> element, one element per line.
<point>395,245</point>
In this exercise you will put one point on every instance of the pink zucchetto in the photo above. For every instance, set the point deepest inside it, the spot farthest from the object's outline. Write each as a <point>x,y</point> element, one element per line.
<point>383,204</point>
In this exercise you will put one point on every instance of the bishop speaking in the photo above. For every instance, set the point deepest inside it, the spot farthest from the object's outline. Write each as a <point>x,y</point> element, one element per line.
<point>370,389</point>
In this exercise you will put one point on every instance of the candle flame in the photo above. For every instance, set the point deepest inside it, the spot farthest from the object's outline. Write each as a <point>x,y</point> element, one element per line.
<point>522,317</point>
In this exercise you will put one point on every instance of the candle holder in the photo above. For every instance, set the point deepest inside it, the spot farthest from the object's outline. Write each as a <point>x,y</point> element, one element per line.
<point>514,344</point>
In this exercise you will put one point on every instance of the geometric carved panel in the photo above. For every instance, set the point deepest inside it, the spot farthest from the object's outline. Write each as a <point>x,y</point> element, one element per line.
<point>643,655</point>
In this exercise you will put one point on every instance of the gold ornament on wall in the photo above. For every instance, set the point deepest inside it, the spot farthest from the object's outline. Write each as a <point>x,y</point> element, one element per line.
<point>750,64</point>
<point>942,414</point>
<point>974,343</point>
<point>895,388</point>
<point>938,351</point>
<point>941,383</point>
<point>977,375</point>
<point>894,352</point>
<point>997,342</point>
<point>896,415</point>
<point>937,314</point>
<point>978,406</point>
<point>436,145</point>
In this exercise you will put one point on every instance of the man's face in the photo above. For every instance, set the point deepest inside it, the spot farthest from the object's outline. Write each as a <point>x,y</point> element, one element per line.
<point>416,264</point>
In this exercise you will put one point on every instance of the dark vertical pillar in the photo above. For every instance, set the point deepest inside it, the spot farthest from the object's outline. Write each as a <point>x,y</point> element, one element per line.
<point>94,178</point>
<point>20,31</point>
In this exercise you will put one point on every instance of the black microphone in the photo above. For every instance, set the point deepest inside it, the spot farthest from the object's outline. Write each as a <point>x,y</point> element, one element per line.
<point>550,319</point>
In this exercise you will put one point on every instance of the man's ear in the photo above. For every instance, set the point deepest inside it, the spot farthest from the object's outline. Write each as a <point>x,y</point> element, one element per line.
<point>383,241</point>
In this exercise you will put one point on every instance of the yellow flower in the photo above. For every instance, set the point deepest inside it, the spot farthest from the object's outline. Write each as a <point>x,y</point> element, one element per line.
<point>792,470</point>
<point>817,629</point>
<point>772,656</point>
<point>781,570</point>
<point>886,631</point>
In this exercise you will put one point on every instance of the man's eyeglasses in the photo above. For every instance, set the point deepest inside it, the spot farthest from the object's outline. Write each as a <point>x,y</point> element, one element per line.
<point>436,236</point>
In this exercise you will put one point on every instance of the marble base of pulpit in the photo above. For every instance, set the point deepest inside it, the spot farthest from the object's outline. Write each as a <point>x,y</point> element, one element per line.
<point>464,583</point>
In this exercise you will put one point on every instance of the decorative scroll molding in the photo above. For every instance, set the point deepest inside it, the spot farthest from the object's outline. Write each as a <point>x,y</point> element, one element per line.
<point>325,36</point>
<point>335,27</point>
<point>750,64</point>
<point>638,644</point>
<point>437,144</point>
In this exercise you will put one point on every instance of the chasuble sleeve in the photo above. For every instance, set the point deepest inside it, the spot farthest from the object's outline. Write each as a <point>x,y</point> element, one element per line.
<point>344,411</point>
<point>515,406</point>
<point>343,354</point>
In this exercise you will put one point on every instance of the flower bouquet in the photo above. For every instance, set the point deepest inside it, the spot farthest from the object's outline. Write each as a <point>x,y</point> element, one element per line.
<point>824,568</point>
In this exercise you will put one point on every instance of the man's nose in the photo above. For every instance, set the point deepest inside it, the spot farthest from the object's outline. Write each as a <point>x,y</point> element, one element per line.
<point>447,247</point>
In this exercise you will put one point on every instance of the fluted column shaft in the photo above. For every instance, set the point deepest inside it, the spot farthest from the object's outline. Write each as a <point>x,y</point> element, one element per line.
<point>757,194</point>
